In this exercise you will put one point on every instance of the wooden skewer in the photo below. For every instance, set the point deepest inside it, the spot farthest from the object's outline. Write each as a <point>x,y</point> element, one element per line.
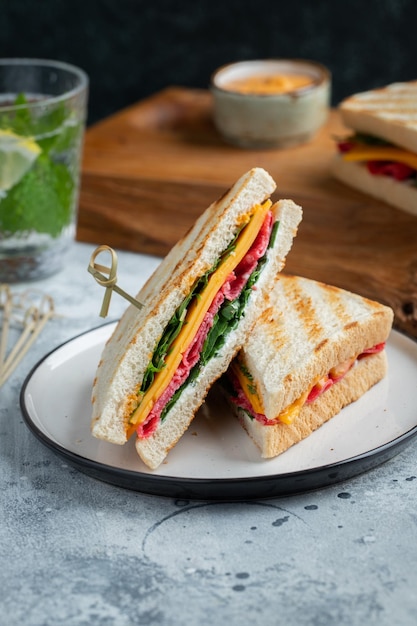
<point>33,321</point>
<point>6,305</point>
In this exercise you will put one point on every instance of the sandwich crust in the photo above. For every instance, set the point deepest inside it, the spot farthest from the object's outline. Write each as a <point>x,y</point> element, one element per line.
<point>154,448</point>
<point>129,349</point>
<point>312,328</point>
<point>273,440</point>
<point>389,113</point>
<point>402,195</point>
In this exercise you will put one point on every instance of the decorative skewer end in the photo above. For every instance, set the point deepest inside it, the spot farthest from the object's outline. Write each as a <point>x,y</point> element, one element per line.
<point>109,281</point>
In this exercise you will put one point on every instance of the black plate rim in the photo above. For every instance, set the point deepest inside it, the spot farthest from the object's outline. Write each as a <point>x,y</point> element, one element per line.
<point>229,489</point>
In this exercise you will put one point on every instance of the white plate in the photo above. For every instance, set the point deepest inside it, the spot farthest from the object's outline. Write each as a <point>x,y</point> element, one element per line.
<point>215,458</point>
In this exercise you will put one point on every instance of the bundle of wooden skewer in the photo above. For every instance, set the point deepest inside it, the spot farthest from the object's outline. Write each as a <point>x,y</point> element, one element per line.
<point>22,317</point>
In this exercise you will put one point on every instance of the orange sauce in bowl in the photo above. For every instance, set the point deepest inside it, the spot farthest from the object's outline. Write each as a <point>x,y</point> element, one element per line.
<point>269,84</point>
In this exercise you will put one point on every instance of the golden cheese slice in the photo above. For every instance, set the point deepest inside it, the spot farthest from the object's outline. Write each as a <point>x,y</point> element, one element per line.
<point>380,153</point>
<point>292,411</point>
<point>287,416</point>
<point>247,385</point>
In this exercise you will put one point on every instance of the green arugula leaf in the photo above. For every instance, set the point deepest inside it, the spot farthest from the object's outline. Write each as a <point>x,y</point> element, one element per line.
<point>369,140</point>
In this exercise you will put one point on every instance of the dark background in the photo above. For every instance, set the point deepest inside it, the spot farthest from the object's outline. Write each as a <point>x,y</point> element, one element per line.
<point>131,49</point>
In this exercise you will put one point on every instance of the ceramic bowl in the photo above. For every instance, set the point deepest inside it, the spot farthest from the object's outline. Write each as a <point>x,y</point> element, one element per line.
<point>270,103</point>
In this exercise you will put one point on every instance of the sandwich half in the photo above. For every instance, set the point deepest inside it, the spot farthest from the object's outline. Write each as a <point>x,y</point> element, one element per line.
<point>314,350</point>
<point>199,307</point>
<point>379,157</point>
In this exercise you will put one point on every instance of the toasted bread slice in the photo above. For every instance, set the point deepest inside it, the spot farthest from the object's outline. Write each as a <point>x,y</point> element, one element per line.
<point>310,330</point>
<point>273,440</point>
<point>402,195</point>
<point>389,113</point>
<point>129,350</point>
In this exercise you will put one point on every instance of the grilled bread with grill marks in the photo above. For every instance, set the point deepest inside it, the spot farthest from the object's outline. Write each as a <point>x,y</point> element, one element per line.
<point>309,330</point>
<point>117,397</point>
<point>388,114</point>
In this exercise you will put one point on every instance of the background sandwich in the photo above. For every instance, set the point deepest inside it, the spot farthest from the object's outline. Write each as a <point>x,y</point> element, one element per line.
<point>200,305</point>
<point>315,349</point>
<point>380,156</point>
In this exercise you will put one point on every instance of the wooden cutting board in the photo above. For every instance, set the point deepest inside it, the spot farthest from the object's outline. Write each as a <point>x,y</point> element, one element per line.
<point>151,169</point>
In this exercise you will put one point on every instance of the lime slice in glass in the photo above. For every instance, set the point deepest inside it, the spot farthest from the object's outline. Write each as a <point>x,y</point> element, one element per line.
<point>16,157</point>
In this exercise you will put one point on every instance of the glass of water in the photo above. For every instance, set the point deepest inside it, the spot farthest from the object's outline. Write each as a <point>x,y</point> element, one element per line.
<point>43,108</point>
